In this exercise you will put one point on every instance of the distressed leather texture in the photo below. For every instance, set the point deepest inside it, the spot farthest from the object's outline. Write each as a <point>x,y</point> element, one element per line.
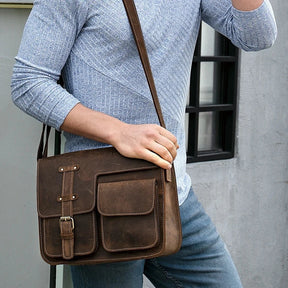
<point>122,209</point>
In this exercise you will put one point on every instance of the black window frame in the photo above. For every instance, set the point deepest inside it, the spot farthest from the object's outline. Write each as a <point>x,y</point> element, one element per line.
<point>225,78</point>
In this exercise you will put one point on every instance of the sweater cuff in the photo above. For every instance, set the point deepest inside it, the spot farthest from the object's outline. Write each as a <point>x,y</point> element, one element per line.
<point>261,24</point>
<point>61,110</point>
<point>259,12</point>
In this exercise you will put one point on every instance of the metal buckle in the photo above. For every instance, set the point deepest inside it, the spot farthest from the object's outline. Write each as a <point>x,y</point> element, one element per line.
<point>66,219</point>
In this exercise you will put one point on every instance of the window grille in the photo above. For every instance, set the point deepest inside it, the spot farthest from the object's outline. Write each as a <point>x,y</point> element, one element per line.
<point>212,100</point>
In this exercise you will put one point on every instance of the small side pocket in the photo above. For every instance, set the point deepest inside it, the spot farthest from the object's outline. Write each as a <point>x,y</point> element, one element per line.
<point>84,235</point>
<point>128,213</point>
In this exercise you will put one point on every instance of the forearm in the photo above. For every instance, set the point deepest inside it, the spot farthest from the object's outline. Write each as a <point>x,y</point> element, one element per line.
<point>247,5</point>
<point>147,141</point>
<point>92,124</point>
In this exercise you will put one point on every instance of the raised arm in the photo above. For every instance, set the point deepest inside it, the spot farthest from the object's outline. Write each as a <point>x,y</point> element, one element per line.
<point>250,24</point>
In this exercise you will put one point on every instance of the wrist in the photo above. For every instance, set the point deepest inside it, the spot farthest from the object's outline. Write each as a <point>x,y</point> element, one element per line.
<point>115,132</point>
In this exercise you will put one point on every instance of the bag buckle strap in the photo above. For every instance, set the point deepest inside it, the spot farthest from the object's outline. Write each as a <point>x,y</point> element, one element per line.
<point>67,224</point>
<point>67,235</point>
<point>67,219</point>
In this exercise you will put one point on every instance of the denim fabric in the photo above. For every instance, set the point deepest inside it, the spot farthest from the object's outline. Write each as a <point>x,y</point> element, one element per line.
<point>203,260</point>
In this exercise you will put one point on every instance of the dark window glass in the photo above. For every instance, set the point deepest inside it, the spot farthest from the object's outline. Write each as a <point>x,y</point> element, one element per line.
<point>211,104</point>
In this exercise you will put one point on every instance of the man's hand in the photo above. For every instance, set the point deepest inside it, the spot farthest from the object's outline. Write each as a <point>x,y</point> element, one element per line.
<point>150,142</point>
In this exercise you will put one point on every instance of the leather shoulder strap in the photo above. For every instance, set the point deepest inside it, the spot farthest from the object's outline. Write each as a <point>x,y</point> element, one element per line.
<point>139,39</point>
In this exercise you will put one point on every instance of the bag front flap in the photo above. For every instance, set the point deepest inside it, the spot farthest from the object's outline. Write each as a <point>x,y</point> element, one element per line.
<point>50,184</point>
<point>126,198</point>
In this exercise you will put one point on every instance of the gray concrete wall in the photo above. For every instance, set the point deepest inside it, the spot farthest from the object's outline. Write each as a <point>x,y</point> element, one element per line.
<point>246,197</point>
<point>20,263</point>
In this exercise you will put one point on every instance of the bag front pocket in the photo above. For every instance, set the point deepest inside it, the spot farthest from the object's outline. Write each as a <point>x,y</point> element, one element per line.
<point>66,210</point>
<point>128,215</point>
<point>85,238</point>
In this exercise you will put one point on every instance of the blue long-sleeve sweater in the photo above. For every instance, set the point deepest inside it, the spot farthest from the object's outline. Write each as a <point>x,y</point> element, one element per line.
<point>92,44</point>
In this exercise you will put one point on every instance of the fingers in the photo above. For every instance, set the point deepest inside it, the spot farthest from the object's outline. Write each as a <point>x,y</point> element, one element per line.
<point>165,133</point>
<point>161,148</point>
<point>156,159</point>
<point>150,142</point>
<point>166,147</point>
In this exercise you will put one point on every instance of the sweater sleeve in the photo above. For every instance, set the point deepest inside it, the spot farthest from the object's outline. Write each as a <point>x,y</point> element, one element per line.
<point>250,30</point>
<point>47,40</point>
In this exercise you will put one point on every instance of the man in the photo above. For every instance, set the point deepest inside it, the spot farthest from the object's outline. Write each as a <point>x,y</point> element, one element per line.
<point>106,101</point>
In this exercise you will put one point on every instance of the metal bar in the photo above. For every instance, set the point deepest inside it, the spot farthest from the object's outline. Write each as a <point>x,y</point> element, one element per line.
<point>16,6</point>
<point>210,156</point>
<point>208,108</point>
<point>57,143</point>
<point>57,151</point>
<point>194,99</point>
<point>214,59</point>
<point>52,276</point>
<point>235,98</point>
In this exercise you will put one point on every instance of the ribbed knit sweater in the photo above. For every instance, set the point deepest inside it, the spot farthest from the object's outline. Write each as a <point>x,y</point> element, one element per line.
<point>91,42</point>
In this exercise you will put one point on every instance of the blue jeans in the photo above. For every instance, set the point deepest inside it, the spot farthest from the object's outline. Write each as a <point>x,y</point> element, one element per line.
<point>203,260</point>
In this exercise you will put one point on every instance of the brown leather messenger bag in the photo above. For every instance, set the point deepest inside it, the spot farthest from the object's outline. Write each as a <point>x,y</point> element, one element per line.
<point>96,206</point>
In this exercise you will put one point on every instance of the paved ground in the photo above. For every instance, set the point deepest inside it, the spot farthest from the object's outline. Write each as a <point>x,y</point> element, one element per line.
<point>147,283</point>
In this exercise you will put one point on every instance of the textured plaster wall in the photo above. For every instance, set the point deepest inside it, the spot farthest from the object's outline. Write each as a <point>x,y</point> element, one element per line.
<point>247,197</point>
<point>20,263</point>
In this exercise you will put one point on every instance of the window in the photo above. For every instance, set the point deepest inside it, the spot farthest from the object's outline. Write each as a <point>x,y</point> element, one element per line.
<point>211,104</point>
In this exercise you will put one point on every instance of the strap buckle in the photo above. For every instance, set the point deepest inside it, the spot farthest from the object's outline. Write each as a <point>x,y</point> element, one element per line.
<point>67,219</point>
